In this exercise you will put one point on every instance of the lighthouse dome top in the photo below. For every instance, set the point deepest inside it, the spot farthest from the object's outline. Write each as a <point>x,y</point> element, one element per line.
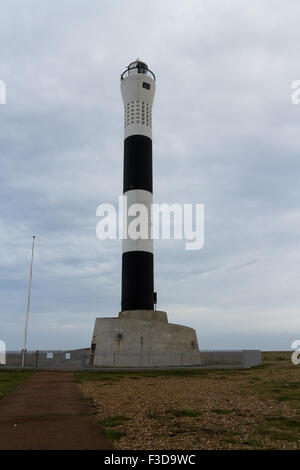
<point>136,67</point>
<point>142,66</point>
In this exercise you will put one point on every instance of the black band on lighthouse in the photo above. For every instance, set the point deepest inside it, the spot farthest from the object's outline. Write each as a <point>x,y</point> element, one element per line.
<point>137,163</point>
<point>137,281</point>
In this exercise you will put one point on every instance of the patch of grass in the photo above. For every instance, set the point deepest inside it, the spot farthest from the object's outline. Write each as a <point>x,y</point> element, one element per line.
<point>218,411</point>
<point>280,428</point>
<point>114,435</point>
<point>107,383</point>
<point>154,414</point>
<point>91,375</point>
<point>280,391</point>
<point>184,412</point>
<point>229,440</point>
<point>288,397</point>
<point>275,357</point>
<point>10,379</point>
<point>257,368</point>
<point>292,385</point>
<point>253,443</point>
<point>163,418</point>
<point>91,401</point>
<point>277,435</point>
<point>114,420</point>
<point>93,405</point>
<point>281,422</point>
<point>181,428</point>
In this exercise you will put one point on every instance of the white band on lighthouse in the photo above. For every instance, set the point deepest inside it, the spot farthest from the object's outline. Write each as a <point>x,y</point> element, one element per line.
<point>137,226</point>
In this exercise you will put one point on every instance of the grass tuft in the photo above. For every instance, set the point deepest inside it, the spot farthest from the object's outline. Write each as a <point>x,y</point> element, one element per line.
<point>114,435</point>
<point>279,428</point>
<point>114,420</point>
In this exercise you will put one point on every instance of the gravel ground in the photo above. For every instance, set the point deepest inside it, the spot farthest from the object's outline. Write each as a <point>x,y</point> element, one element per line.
<point>217,410</point>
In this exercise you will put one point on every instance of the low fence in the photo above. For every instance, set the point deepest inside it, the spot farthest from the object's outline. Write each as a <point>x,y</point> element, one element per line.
<point>51,359</point>
<point>244,358</point>
<point>83,359</point>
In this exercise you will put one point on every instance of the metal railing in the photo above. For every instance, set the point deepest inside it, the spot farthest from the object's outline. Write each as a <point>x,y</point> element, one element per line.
<point>137,70</point>
<point>84,359</point>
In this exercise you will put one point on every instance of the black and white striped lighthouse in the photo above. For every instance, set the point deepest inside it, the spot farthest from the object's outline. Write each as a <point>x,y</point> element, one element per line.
<point>139,335</point>
<point>138,89</point>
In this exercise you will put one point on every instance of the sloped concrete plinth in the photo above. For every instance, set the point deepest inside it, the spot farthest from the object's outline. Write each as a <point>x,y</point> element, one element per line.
<point>143,338</point>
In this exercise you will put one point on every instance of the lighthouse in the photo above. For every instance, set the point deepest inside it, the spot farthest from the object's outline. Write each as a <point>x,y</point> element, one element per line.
<point>138,90</point>
<point>139,336</point>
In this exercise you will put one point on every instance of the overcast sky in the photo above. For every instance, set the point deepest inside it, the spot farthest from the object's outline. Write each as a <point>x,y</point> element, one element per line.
<point>225,134</point>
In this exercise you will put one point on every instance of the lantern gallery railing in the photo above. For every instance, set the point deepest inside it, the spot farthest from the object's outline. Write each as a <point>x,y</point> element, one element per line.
<point>137,69</point>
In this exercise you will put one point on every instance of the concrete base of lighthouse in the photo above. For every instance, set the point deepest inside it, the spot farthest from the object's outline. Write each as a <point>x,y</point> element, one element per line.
<point>143,338</point>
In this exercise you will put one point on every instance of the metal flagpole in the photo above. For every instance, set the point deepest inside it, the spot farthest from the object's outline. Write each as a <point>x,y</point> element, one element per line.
<point>28,305</point>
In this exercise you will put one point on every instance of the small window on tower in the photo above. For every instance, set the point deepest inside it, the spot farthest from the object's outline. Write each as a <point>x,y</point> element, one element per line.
<point>146,85</point>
